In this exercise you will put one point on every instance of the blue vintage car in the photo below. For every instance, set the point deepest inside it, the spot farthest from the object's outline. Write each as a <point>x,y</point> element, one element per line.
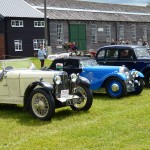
<point>116,80</point>
<point>132,56</point>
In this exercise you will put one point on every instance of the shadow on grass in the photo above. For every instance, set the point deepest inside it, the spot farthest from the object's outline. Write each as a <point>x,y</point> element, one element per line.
<point>17,113</point>
<point>105,97</point>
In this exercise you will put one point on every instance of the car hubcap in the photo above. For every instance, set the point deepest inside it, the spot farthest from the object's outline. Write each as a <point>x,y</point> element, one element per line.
<point>115,87</point>
<point>83,97</point>
<point>40,105</point>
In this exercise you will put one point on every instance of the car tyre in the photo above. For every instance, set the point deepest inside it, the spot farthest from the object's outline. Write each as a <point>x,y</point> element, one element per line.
<point>42,104</point>
<point>147,79</point>
<point>115,87</point>
<point>139,89</point>
<point>86,98</point>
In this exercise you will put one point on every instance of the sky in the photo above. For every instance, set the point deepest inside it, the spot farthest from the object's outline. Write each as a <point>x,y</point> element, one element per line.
<point>127,2</point>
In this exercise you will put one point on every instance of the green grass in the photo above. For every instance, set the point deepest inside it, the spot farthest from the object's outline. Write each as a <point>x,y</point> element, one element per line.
<point>110,124</point>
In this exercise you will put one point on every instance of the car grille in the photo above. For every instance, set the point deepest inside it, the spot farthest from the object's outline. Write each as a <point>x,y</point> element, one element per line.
<point>64,84</point>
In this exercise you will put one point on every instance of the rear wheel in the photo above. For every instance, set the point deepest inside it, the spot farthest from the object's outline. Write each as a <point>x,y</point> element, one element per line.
<point>86,98</point>
<point>41,104</point>
<point>115,87</point>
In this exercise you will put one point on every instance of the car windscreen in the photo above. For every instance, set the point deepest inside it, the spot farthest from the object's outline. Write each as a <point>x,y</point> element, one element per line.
<point>141,52</point>
<point>88,62</point>
<point>16,63</point>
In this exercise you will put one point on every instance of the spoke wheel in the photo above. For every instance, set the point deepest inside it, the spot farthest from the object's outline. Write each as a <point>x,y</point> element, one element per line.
<point>86,98</point>
<point>41,104</point>
<point>115,87</point>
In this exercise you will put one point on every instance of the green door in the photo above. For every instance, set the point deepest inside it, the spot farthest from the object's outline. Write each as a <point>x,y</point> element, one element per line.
<point>78,35</point>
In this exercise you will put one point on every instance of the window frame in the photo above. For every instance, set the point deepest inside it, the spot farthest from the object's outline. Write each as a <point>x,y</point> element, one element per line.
<point>133,33</point>
<point>108,33</point>
<point>121,32</point>
<point>17,23</point>
<point>37,43</point>
<point>39,24</point>
<point>144,32</point>
<point>18,45</point>
<point>94,33</point>
<point>60,34</point>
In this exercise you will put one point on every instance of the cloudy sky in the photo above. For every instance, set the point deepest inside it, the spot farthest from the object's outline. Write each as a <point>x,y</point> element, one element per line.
<point>128,2</point>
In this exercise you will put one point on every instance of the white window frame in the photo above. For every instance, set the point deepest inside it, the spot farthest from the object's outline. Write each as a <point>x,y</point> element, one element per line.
<point>37,43</point>
<point>121,32</point>
<point>18,45</point>
<point>17,23</point>
<point>94,33</point>
<point>108,33</point>
<point>133,32</point>
<point>39,24</point>
<point>60,34</point>
<point>144,32</point>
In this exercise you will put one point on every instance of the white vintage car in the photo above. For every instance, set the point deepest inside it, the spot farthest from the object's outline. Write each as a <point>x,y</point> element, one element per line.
<point>42,91</point>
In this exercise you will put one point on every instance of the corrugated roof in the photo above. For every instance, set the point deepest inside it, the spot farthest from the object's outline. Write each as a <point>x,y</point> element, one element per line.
<point>105,12</point>
<point>18,8</point>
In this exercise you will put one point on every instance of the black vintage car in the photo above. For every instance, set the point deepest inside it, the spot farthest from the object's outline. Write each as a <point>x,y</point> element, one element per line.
<point>132,56</point>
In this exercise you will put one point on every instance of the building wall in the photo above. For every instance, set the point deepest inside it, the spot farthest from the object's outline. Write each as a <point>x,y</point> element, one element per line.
<point>26,34</point>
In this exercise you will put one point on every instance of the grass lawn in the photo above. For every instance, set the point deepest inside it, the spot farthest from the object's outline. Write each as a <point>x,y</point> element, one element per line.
<point>110,124</point>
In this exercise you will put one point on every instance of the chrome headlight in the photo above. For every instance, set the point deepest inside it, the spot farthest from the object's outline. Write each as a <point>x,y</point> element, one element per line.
<point>125,71</point>
<point>57,79</point>
<point>134,74</point>
<point>73,77</point>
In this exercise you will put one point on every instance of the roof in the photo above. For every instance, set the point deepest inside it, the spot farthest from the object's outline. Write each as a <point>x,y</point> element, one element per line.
<point>82,10</point>
<point>122,46</point>
<point>18,8</point>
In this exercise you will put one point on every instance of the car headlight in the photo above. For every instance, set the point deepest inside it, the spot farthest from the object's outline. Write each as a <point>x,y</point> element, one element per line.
<point>73,77</point>
<point>57,79</point>
<point>134,74</point>
<point>125,71</point>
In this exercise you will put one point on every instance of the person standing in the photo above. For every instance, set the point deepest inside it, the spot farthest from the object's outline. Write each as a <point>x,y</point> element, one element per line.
<point>42,55</point>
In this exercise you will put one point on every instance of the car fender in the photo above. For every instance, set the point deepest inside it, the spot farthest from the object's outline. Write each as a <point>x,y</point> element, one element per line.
<point>140,74</point>
<point>47,86</point>
<point>95,85</point>
<point>84,81</point>
<point>145,69</point>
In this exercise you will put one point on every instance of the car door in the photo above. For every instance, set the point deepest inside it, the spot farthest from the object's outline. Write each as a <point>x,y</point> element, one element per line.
<point>3,86</point>
<point>129,61</point>
<point>107,56</point>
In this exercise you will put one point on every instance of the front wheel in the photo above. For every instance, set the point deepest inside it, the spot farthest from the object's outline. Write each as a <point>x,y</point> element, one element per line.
<point>42,104</point>
<point>115,87</point>
<point>147,79</point>
<point>86,98</point>
<point>139,86</point>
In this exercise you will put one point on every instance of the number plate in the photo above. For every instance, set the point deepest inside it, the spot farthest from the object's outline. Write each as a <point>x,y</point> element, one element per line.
<point>64,93</point>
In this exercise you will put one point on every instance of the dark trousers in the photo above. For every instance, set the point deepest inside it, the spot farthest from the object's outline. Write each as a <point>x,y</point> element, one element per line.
<point>42,63</point>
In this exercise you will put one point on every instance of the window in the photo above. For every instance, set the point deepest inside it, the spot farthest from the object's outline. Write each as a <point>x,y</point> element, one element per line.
<point>60,34</point>
<point>133,32</point>
<point>108,33</point>
<point>39,24</point>
<point>17,23</point>
<point>37,43</point>
<point>112,54</point>
<point>144,33</point>
<point>18,45</point>
<point>101,54</point>
<point>121,32</point>
<point>94,33</point>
